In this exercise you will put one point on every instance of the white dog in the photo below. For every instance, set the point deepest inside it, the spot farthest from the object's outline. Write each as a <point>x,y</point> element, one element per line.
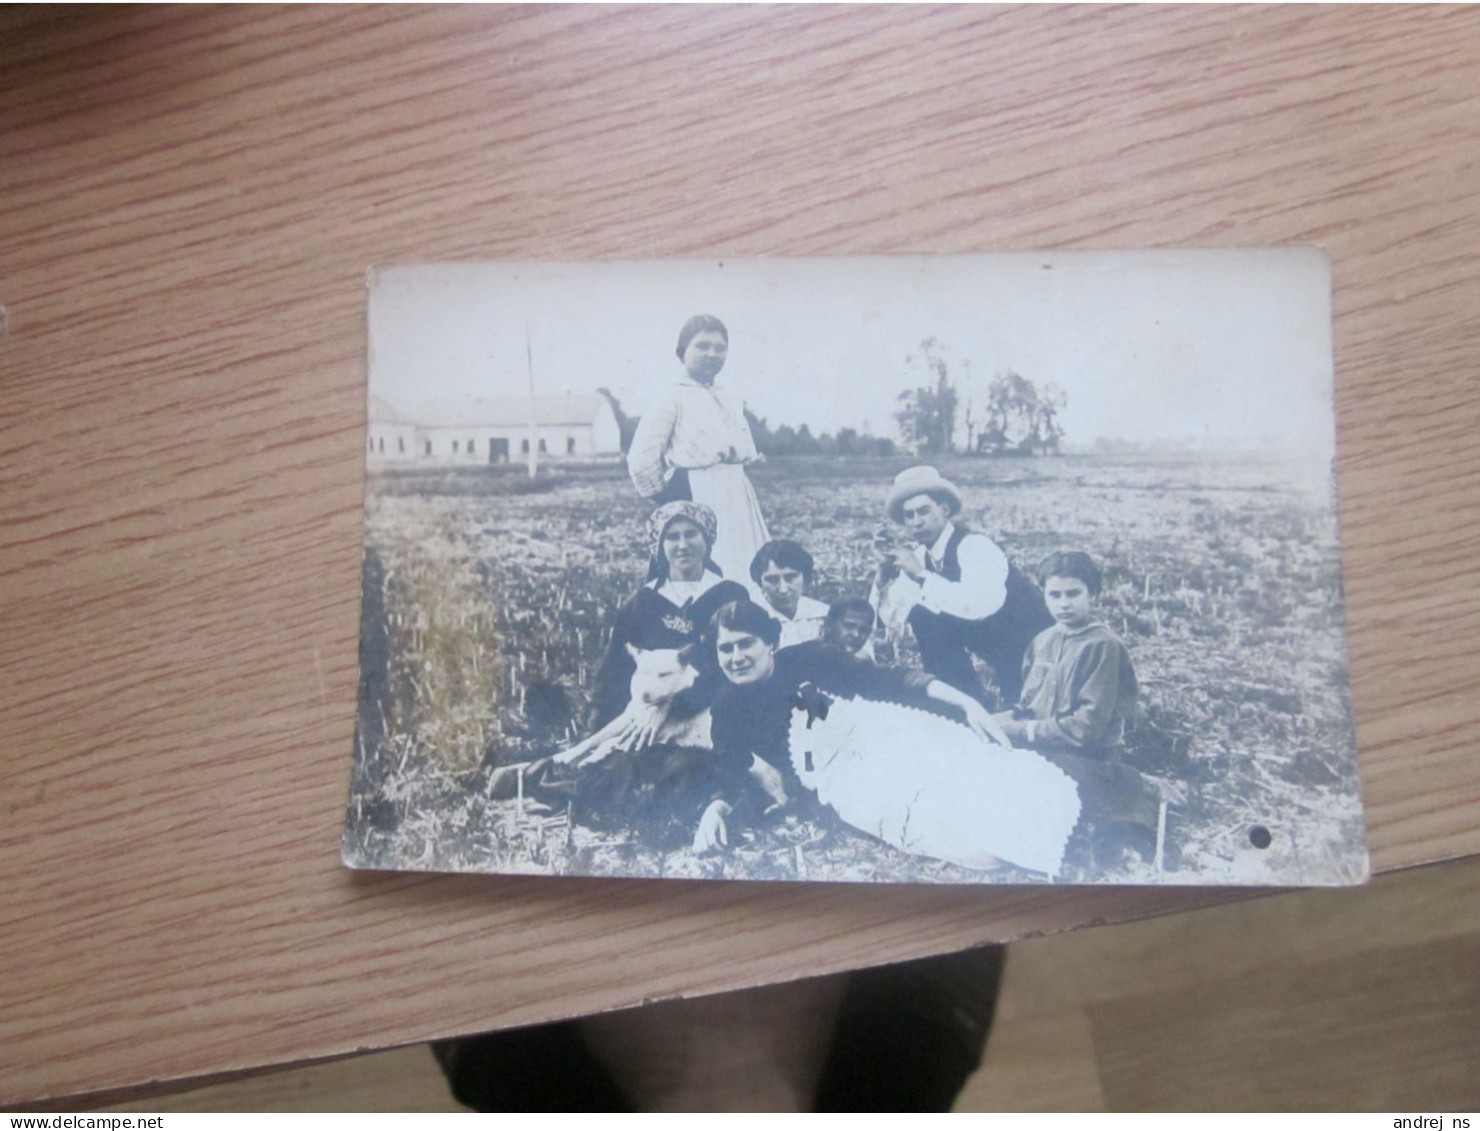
<point>662,675</point>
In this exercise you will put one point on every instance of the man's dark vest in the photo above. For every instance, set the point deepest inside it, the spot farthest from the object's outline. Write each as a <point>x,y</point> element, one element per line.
<point>1005,635</point>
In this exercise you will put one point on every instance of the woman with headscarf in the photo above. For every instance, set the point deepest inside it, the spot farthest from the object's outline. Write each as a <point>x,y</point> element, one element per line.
<point>628,772</point>
<point>693,442</point>
<point>671,609</point>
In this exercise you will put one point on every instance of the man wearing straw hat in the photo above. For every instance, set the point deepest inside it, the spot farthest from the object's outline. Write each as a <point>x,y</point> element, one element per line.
<point>955,589</point>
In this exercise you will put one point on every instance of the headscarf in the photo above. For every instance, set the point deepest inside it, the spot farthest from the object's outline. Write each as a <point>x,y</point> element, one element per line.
<point>697,513</point>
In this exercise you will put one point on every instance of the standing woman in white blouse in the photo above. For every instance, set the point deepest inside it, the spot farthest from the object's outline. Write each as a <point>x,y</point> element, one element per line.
<point>693,442</point>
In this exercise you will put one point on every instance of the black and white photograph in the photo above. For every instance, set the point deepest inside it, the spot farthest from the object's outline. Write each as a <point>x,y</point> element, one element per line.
<point>1009,568</point>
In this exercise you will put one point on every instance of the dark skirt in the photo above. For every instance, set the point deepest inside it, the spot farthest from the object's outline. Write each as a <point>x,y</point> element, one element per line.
<point>658,793</point>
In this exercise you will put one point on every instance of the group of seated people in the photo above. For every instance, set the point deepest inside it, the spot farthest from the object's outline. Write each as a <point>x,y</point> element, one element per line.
<point>743,658</point>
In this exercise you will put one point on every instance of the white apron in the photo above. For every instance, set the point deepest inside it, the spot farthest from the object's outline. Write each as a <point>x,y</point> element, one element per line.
<point>725,489</point>
<point>929,786</point>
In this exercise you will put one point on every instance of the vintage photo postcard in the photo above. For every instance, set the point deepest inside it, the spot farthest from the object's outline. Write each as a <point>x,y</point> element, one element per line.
<point>947,569</point>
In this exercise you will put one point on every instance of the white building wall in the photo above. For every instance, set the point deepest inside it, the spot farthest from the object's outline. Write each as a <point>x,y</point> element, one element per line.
<point>391,443</point>
<point>606,437</point>
<point>469,443</point>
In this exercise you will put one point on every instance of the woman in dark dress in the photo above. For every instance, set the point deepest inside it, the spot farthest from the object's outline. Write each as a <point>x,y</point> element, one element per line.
<point>752,712</point>
<point>637,766</point>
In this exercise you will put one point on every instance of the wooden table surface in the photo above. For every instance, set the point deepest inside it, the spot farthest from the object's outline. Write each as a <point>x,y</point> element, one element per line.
<point>189,201</point>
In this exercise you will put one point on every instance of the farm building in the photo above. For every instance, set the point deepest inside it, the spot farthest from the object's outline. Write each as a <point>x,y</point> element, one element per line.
<point>391,434</point>
<point>493,429</point>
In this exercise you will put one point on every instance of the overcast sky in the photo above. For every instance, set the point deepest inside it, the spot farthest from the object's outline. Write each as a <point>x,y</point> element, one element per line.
<point>1205,346</point>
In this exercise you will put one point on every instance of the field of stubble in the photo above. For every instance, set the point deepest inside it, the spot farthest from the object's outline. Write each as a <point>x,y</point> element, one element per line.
<point>487,601</point>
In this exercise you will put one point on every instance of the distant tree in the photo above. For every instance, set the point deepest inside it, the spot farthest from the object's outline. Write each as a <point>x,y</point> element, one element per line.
<point>1052,400</point>
<point>848,443</point>
<point>927,414</point>
<point>1020,418</point>
<point>761,433</point>
<point>626,425</point>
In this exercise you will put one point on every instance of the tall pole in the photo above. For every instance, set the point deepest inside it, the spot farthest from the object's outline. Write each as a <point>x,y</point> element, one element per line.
<point>534,439</point>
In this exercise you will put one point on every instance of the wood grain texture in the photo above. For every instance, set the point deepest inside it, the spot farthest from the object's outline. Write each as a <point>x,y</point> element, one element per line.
<point>1262,1005</point>
<point>1306,1001</point>
<point>189,200</point>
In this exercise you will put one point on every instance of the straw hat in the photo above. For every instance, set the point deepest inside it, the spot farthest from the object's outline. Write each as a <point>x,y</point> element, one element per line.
<point>921,480</point>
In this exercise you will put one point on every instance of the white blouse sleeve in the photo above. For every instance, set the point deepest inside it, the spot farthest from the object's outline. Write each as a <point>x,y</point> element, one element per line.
<point>650,444</point>
<point>982,589</point>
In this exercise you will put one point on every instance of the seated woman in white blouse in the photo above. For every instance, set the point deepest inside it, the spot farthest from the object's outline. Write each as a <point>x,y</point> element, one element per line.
<point>782,572</point>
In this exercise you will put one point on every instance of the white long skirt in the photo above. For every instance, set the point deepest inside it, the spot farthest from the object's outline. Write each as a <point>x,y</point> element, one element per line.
<point>931,787</point>
<point>726,490</point>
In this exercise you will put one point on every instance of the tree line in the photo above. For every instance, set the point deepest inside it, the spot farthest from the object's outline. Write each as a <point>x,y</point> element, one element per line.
<point>1009,416</point>
<point>783,440</point>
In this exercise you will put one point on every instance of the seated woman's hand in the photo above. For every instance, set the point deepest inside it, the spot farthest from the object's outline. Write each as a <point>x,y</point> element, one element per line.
<point>769,778</point>
<point>711,833</point>
<point>984,724</point>
<point>643,722</point>
<point>1014,729</point>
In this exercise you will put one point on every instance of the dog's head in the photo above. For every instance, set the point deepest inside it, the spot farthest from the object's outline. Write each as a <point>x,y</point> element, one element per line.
<point>662,673</point>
